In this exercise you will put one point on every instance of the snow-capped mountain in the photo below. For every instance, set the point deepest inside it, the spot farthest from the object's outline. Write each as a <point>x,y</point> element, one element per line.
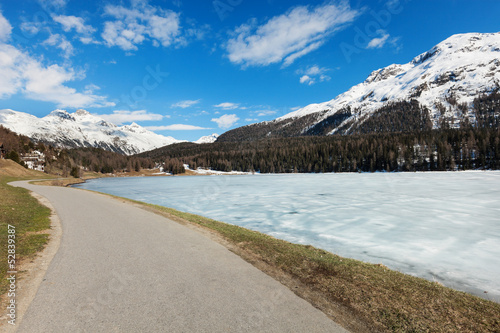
<point>207,139</point>
<point>452,73</point>
<point>82,129</point>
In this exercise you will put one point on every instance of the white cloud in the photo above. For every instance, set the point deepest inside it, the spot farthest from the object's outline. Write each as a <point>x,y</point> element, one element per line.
<point>291,58</point>
<point>176,127</point>
<point>226,120</point>
<point>11,78</point>
<point>73,22</point>
<point>23,74</point>
<point>377,43</point>
<point>315,70</point>
<point>140,22</point>
<point>115,34</point>
<point>227,106</point>
<point>68,23</point>
<point>31,27</point>
<point>289,36</point>
<point>306,79</point>
<point>60,42</point>
<point>5,28</point>
<point>313,74</point>
<point>383,39</point>
<point>192,31</point>
<point>123,116</point>
<point>263,113</point>
<point>164,28</point>
<point>47,84</point>
<point>88,40</point>
<point>197,31</point>
<point>51,5</point>
<point>185,104</point>
<point>90,88</point>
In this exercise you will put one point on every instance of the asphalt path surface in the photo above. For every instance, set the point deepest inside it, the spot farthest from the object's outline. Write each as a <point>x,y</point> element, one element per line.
<point>120,268</point>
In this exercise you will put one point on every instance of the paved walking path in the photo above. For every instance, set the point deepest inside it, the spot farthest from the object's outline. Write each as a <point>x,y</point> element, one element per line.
<point>120,268</point>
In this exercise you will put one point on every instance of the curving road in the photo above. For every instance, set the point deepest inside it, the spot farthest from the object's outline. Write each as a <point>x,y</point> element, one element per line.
<point>120,268</point>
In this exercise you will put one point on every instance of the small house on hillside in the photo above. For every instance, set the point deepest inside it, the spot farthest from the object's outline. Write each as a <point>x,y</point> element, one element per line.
<point>3,152</point>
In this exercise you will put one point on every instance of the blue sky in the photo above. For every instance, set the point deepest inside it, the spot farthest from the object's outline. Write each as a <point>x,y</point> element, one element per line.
<point>191,68</point>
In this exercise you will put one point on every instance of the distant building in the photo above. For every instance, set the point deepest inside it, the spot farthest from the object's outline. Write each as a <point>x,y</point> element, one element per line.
<point>34,160</point>
<point>3,152</point>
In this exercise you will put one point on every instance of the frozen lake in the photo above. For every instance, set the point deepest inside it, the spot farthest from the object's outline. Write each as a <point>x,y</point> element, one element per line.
<point>441,226</point>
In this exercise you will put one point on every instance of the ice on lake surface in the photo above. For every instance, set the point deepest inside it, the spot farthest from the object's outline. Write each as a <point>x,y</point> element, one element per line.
<point>442,226</point>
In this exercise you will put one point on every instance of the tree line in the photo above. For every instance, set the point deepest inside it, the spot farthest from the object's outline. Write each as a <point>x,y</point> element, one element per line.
<point>397,137</point>
<point>431,150</point>
<point>100,160</point>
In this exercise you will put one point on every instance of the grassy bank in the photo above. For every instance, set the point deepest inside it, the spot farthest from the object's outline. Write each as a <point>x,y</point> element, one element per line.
<point>30,218</point>
<point>361,296</point>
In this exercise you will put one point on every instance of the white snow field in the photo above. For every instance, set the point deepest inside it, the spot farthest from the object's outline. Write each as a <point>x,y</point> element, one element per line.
<point>442,226</point>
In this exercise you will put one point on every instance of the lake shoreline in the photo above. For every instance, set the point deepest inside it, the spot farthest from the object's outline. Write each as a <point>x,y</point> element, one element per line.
<point>225,199</point>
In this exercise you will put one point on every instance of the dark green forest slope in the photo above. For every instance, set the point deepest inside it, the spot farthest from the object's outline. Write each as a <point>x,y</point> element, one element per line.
<point>398,137</point>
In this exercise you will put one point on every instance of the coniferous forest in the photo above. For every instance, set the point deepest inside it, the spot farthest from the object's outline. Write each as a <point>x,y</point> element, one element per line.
<point>379,144</point>
<point>438,150</point>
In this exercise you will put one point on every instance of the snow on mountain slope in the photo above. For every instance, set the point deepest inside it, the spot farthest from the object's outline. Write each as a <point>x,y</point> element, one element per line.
<point>207,139</point>
<point>82,129</point>
<point>462,66</point>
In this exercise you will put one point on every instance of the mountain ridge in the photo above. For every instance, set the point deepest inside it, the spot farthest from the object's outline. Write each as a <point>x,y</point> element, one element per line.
<point>443,80</point>
<point>83,129</point>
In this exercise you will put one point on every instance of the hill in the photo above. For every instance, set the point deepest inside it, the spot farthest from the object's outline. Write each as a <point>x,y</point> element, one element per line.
<point>10,168</point>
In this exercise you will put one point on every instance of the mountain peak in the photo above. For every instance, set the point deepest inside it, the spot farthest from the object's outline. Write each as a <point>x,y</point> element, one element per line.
<point>207,139</point>
<point>134,128</point>
<point>57,112</point>
<point>62,114</point>
<point>82,129</point>
<point>463,64</point>
<point>472,39</point>
<point>449,75</point>
<point>462,43</point>
<point>82,112</point>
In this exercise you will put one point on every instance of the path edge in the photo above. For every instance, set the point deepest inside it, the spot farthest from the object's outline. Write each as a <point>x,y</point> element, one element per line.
<point>33,270</point>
